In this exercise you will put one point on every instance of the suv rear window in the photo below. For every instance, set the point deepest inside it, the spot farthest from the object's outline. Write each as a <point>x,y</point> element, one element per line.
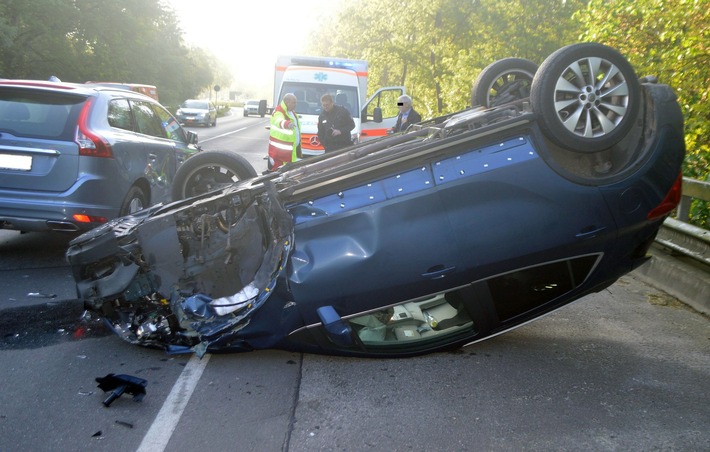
<point>44,115</point>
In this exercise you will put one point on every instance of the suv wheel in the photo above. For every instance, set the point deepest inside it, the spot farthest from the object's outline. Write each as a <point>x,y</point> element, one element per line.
<point>503,81</point>
<point>210,170</point>
<point>135,200</point>
<point>586,97</point>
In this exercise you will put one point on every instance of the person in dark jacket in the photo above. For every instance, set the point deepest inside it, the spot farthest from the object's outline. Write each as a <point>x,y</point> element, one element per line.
<point>407,115</point>
<point>334,125</point>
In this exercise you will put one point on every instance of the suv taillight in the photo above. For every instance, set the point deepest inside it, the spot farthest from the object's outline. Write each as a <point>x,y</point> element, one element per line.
<point>90,144</point>
<point>670,202</point>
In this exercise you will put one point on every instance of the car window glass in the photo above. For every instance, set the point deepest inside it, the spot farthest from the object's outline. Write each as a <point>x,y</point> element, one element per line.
<point>147,121</point>
<point>308,96</point>
<point>411,323</point>
<point>387,102</point>
<point>44,115</point>
<point>196,104</point>
<point>119,114</point>
<point>170,125</point>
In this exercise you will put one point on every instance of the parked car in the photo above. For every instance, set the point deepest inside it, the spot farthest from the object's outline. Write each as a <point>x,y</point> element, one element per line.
<point>194,112</point>
<point>251,107</point>
<point>73,156</point>
<point>464,227</point>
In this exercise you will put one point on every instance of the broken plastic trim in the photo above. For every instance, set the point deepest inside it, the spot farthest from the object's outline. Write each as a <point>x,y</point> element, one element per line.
<point>195,275</point>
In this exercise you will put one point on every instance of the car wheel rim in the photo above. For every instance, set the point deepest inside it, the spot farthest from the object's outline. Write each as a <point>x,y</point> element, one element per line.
<point>510,85</point>
<point>209,178</point>
<point>135,205</point>
<point>591,97</point>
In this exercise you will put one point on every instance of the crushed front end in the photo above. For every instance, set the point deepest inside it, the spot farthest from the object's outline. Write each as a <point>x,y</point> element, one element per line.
<point>188,275</point>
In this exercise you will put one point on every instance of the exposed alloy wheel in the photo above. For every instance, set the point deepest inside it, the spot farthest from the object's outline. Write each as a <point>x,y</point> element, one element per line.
<point>586,96</point>
<point>503,81</point>
<point>134,201</point>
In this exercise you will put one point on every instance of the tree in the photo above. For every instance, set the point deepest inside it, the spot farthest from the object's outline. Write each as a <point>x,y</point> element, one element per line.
<point>435,48</point>
<point>75,40</point>
<point>33,38</point>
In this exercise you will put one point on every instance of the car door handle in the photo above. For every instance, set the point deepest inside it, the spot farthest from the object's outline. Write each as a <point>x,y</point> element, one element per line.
<point>589,232</point>
<point>152,157</point>
<point>438,272</point>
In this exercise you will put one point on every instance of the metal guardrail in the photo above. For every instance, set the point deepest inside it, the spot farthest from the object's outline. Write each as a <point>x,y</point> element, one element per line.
<point>682,237</point>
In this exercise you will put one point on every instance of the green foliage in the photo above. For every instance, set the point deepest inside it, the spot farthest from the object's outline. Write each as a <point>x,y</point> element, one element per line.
<point>435,48</point>
<point>130,41</point>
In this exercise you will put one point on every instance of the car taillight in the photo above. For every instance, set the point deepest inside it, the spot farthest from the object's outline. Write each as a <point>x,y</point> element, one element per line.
<point>81,218</point>
<point>670,202</point>
<point>90,144</point>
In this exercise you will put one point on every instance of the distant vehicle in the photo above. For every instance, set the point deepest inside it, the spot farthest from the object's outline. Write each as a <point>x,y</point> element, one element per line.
<point>73,156</point>
<point>308,78</point>
<point>194,112</point>
<point>251,107</point>
<point>148,90</point>
<point>462,228</point>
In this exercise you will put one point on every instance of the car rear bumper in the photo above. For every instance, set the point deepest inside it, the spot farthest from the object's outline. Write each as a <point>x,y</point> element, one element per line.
<point>42,211</point>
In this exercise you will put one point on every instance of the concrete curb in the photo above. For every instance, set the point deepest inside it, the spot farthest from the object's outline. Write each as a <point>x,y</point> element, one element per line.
<point>683,278</point>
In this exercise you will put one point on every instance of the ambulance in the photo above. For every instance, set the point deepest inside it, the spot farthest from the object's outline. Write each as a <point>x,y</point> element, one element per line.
<point>308,78</point>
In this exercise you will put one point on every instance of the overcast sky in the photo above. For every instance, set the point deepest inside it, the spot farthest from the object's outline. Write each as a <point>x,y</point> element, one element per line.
<point>248,35</point>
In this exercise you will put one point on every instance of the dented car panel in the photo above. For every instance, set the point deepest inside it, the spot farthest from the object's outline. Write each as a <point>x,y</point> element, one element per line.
<point>465,227</point>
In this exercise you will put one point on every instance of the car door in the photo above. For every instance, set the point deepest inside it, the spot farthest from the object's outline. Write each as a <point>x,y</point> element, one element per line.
<point>379,114</point>
<point>509,209</point>
<point>159,159</point>
<point>374,244</point>
<point>182,147</point>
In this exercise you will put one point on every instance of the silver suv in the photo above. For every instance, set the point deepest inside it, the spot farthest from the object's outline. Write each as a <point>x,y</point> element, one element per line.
<point>74,156</point>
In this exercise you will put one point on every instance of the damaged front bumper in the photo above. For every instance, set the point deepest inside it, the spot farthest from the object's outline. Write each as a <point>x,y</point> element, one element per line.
<point>147,274</point>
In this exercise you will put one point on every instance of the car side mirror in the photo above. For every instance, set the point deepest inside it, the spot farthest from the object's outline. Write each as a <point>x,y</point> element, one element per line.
<point>191,137</point>
<point>337,329</point>
<point>377,114</point>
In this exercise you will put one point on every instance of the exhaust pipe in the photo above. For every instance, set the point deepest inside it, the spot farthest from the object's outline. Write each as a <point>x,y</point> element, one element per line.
<point>62,226</point>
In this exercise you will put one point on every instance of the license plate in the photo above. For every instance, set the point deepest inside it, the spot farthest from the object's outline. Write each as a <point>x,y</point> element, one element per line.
<point>15,162</point>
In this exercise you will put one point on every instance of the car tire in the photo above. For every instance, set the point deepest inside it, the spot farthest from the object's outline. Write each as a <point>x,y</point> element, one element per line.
<point>245,113</point>
<point>586,97</point>
<point>210,170</point>
<point>134,201</point>
<point>503,81</point>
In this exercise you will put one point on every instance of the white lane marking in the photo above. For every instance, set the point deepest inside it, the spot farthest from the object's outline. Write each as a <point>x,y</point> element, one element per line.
<point>232,132</point>
<point>223,135</point>
<point>169,415</point>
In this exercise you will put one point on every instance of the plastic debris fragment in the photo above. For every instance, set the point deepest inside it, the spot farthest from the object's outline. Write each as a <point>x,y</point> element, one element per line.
<point>119,384</point>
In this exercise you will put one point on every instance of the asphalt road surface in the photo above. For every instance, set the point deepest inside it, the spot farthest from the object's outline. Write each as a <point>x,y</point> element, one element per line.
<point>625,369</point>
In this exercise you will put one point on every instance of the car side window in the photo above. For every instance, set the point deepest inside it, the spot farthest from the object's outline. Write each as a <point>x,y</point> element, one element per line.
<point>147,121</point>
<point>170,125</point>
<point>119,114</point>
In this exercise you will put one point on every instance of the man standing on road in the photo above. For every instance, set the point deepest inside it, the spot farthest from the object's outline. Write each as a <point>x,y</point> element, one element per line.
<point>284,134</point>
<point>334,125</point>
<point>407,115</point>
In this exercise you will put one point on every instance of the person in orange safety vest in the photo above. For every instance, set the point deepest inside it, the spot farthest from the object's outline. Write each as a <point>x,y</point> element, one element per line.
<point>285,133</point>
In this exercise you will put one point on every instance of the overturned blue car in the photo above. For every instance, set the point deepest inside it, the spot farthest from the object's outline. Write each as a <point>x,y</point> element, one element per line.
<point>552,186</point>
